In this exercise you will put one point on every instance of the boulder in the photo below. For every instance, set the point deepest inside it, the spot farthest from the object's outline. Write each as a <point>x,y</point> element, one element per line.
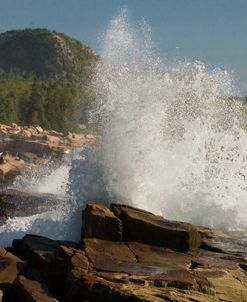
<point>39,129</point>
<point>33,130</point>
<point>71,136</point>
<point>70,265</point>
<point>145,227</point>
<point>39,251</point>
<point>10,267</point>
<point>4,132</point>
<point>14,203</point>
<point>10,166</point>
<point>14,125</point>
<point>56,133</point>
<point>26,133</point>
<point>98,221</point>
<point>26,290</point>
<point>52,139</point>
<point>90,136</point>
<point>74,261</point>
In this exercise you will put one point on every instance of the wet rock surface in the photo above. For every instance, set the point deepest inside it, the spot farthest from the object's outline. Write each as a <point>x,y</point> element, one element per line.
<point>14,203</point>
<point>102,267</point>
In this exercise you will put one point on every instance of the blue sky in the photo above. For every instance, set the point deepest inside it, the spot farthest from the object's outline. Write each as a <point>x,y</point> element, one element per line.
<point>213,31</point>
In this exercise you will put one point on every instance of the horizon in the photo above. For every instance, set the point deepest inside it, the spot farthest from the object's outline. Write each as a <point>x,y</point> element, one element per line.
<point>209,31</point>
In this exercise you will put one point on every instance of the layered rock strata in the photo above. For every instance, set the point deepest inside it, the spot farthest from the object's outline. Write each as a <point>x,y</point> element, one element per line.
<point>127,254</point>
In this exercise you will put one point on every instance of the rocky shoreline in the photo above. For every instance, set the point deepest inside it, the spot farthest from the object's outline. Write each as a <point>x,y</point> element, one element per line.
<point>24,148</point>
<point>126,254</point>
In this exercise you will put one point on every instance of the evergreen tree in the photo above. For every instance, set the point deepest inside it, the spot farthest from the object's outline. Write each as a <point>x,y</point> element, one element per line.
<point>36,110</point>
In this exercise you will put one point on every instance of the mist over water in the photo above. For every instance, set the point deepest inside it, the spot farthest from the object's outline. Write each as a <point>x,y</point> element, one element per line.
<point>170,142</point>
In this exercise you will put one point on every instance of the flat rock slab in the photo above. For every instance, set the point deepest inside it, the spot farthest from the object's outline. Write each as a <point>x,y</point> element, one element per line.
<point>139,272</point>
<point>160,257</point>
<point>145,227</point>
<point>109,255</point>
<point>26,290</point>
<point>133,258</point>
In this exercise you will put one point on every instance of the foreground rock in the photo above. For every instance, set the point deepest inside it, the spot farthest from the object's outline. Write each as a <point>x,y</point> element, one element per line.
<point>26,290</point>
<point>23,147</point>
<point>145,227</point>
<point>100,222</point>
<point>10,267</point>
<point>121,258</point>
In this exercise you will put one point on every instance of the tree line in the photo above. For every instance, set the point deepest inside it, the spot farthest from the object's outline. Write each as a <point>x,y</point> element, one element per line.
<point>27,100</point>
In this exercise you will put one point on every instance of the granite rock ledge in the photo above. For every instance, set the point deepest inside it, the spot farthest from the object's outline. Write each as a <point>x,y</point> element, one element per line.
<point>127,254</point>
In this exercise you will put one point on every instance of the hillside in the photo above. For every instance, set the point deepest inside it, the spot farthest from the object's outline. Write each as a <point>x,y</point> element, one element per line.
<point>44,79</point>
<point>45,54</point>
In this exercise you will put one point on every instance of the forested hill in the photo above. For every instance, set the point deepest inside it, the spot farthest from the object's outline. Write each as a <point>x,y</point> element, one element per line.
<point>45,54</point>
<point>44,79</point>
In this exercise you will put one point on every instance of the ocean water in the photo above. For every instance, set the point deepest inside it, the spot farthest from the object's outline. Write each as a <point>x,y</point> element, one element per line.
<point>171,142</point>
